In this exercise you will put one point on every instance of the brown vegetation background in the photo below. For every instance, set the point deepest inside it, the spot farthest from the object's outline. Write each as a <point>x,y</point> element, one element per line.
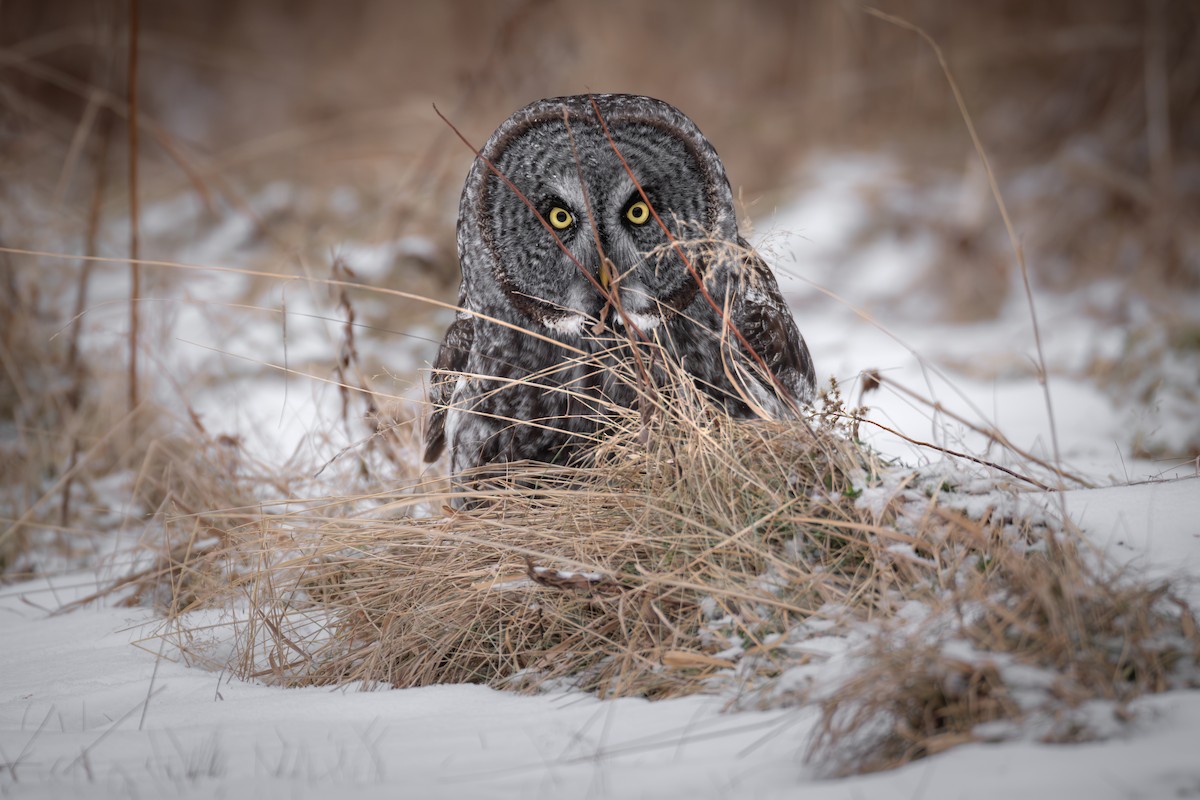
<point>1098,102</point>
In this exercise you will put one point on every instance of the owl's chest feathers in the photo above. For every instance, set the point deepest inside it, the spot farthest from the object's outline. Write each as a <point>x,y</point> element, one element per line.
<point>585,372</point>
<point>514,370</point>
<point>524,397</point>
<point>520,397</point>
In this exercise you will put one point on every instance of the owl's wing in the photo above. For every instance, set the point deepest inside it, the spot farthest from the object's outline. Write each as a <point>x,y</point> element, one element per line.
<point>760,313</point>
<point>451,359</point>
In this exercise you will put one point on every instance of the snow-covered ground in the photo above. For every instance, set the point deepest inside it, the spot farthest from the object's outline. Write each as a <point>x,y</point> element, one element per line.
<point>84,712</point>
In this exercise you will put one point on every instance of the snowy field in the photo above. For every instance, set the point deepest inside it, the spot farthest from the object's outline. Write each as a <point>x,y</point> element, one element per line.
<point>85,712</point>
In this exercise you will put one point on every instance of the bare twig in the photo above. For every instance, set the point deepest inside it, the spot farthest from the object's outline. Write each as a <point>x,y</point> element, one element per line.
<point>1014,241</point>
<point>612,294</point>
<point>992,432</point>
<point>958,454</point>
<point>90,246</point>
<point>135,274</point>
<point>785,394</point>
<point>1158,133</point>
<point>82,131</point>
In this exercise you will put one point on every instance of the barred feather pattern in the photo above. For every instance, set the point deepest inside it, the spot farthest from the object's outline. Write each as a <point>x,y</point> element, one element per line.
<point>537,358</point>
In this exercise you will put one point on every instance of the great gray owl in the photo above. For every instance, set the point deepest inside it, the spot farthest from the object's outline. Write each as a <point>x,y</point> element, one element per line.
<point>520,373</point>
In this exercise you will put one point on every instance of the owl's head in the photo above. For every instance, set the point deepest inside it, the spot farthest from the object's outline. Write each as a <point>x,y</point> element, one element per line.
<point>571,182</point>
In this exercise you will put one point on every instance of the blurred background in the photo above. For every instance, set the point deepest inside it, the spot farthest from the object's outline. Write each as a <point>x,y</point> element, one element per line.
<point>1098,99</point>
<point>299,137</point>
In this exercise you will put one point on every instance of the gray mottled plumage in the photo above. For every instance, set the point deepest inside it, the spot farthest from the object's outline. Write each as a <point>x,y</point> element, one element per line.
<point>500,394</point>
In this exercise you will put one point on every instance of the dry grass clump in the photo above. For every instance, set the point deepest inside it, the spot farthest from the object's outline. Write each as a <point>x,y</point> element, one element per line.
<point>202,492</point>
<point>909,701</point>
<point>691,553</point>
<point>1156,368</point>
<point>78,465</point>
<point>1017,634</point>
<point>628,576</point>
<point>65,431</point>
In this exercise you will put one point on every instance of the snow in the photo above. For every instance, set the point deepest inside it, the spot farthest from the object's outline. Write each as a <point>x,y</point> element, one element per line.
<point>1154,527</point>
<point>87,706</point>
<point>83,711</point>
<point>856,307</point>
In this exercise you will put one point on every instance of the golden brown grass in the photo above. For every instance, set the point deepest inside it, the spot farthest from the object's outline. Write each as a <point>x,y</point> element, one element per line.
<point>65,431</point>
<point>685,555</point>
<point>688,553</point>
<point>596,573</point>
<point>1085,629</point>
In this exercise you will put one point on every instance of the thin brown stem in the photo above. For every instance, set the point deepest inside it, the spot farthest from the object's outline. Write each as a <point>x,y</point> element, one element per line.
<point>135,285</point>
<point>992,433</point>
<point>785,394</point>
<point>1014,241</point>
<point>81,295</point>
<point>958,454</point>
<point>103,67</point>
<point>1158,134</point>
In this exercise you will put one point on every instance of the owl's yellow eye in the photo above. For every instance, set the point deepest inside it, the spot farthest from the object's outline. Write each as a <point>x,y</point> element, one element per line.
<point>638,213</point>
<point>560,218</point>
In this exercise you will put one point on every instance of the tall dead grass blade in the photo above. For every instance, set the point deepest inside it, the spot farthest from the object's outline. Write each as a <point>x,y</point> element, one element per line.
<point>1013,240</point>
<point>135,274</point>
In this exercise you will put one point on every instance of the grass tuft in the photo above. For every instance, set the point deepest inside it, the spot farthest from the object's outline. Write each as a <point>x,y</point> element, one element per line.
<point>691,552</point>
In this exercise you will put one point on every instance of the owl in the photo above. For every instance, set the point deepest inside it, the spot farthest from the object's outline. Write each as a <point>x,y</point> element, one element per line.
<point>592,228</point>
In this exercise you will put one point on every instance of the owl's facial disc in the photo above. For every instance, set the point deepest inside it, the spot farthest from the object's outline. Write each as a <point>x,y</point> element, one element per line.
<point>602,236</point>
<point>590,210</point>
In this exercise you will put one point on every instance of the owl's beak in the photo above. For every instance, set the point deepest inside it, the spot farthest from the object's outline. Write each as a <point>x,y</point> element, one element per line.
<point>605,273</point>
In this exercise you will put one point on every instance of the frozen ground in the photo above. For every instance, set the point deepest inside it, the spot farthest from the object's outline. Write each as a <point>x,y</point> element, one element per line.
<point>83,712</point>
